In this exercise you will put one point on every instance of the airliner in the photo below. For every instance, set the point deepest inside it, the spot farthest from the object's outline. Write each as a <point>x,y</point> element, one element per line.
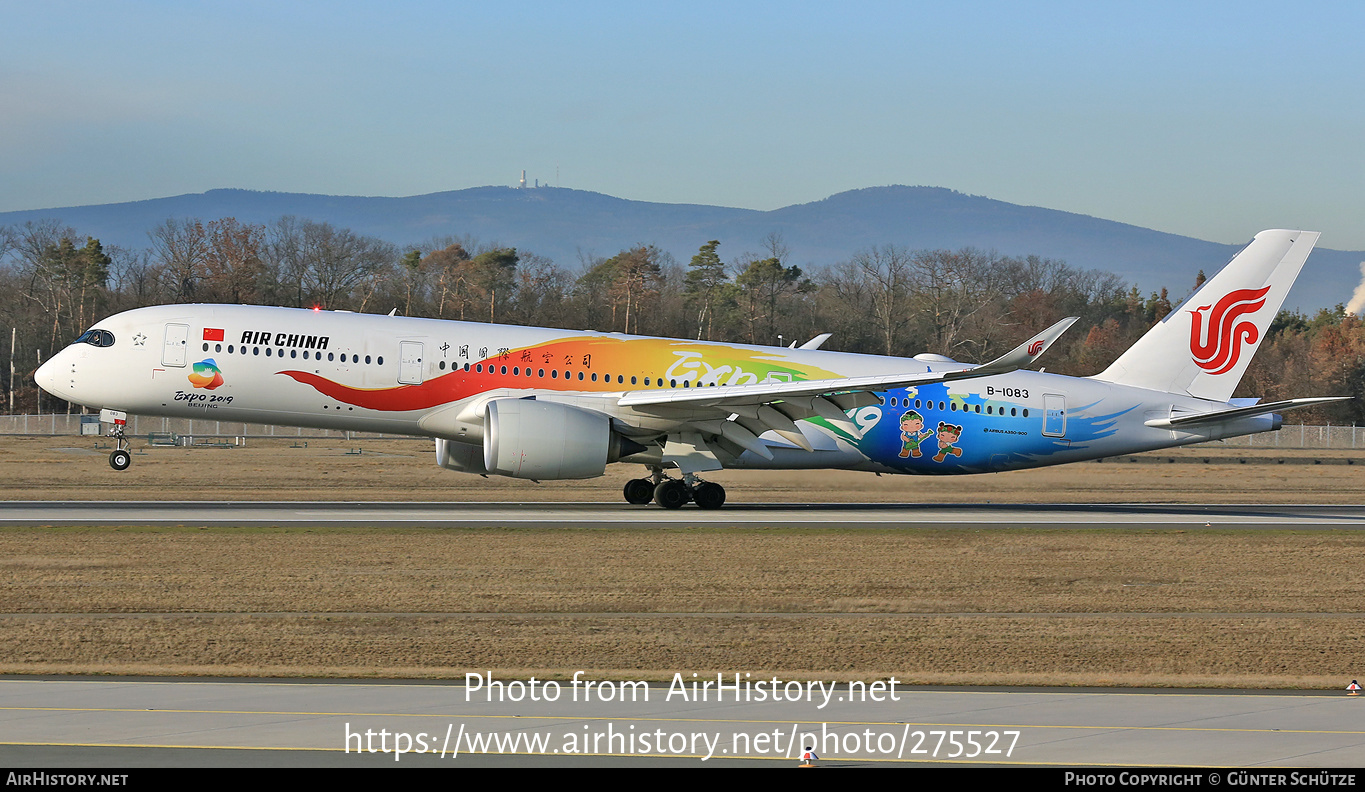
<point>538,403</point>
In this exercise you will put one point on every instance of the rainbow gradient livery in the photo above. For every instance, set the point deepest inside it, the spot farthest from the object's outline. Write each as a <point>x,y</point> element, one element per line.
<point>538,403</point>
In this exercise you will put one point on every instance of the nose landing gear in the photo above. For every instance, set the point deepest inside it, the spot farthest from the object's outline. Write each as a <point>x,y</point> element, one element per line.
<point>120,458</point>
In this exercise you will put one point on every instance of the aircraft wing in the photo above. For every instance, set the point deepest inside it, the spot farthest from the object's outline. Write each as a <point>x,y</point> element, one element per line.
<point>765,392</point>
<point>740,413</point>
<point>1178,421</point>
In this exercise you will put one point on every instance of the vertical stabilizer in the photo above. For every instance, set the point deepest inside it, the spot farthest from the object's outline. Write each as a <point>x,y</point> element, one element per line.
<point>1203,347</point>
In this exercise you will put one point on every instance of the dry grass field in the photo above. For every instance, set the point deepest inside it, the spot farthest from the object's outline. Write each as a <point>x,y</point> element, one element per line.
<point>1136,606</point>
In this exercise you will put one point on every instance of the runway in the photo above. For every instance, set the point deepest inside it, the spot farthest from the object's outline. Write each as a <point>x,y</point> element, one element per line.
<point>124,723</point>
<point>324,514</point>
<point>257,723</point>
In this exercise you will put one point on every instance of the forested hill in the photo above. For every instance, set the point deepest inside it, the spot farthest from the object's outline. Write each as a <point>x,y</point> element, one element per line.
<point>569,225</point>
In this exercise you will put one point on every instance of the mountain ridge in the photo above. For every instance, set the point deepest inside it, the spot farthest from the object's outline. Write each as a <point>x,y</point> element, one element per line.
<point>568,225</point>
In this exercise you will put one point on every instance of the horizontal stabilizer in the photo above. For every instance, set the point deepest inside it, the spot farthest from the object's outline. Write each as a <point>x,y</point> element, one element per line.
<point>1219,416</point>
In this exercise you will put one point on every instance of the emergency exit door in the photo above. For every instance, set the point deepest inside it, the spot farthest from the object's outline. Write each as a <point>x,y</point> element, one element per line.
<point>177,339</point>
<point>1054,415</point>
<point>410,363</point>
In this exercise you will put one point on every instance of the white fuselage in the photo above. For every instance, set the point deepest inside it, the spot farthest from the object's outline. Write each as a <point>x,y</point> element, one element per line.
<point>425,377</point>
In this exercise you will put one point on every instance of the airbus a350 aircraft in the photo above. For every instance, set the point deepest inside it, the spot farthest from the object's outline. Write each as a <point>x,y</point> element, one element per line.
<point>537,403</point>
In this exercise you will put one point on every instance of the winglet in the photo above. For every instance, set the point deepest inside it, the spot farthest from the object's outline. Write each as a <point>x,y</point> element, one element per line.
<point>1022,355</point>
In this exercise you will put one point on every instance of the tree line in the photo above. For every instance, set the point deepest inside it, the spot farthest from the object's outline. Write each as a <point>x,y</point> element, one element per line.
<point>967,304</point>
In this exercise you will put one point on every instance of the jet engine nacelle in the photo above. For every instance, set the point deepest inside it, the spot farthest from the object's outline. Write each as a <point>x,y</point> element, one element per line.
<point>533,439</point>
<point>463,457</point>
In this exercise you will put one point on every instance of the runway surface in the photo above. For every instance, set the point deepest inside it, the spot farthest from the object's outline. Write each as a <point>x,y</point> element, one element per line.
<point>125,723</point>
<point>319,514</point>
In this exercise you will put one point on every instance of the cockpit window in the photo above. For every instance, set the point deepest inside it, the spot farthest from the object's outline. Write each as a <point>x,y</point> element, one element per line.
<point>99,338</point>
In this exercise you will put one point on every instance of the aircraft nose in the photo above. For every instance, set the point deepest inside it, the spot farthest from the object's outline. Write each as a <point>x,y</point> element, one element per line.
<point>57,375</point>
<point>46,376</point>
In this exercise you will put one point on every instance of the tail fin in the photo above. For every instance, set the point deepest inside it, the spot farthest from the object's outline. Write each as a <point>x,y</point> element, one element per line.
<point>1203,347</point>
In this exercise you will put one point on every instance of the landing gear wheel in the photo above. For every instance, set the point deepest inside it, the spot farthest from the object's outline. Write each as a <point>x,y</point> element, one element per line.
<point>671,494</point>
<point>120,459</point>
<point>709,496</point>
<point>639,491</point>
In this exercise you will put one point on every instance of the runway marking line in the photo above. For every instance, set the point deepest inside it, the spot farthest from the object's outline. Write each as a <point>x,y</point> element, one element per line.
<point>635,756</point>
<point>1323,693</point>
<point>524,718</point>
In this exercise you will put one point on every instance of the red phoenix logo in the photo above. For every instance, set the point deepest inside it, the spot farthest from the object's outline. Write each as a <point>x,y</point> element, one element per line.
<point>1217,347</point>
<point>1035,347</point>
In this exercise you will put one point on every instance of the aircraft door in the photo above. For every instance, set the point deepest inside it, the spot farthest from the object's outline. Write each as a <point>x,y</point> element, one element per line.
<point>410,363</point>
<point>1054,415</point>
<point>177,339</point>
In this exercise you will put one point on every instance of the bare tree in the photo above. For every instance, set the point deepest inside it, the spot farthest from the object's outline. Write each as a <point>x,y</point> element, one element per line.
<point>889,272</point>
<point>180,249</point>
<point>233,268</point>
<point>954,289</point>
<point>341,267</point>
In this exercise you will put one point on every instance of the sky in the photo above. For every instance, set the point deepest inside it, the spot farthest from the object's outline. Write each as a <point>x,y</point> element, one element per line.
<point>1212,120</point>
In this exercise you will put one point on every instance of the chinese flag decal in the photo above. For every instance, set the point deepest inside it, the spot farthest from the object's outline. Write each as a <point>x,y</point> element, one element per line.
<point>213,334</point>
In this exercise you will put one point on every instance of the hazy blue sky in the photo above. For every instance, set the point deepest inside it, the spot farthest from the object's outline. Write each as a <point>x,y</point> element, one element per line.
<point>1213,120</point>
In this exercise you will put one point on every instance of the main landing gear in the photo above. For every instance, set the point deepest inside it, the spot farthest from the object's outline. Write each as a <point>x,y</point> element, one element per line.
<point>673,493</point>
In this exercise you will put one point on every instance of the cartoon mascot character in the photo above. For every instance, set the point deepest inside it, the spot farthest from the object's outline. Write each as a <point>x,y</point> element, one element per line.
<point>948,435</point>
<point>912,432</point>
